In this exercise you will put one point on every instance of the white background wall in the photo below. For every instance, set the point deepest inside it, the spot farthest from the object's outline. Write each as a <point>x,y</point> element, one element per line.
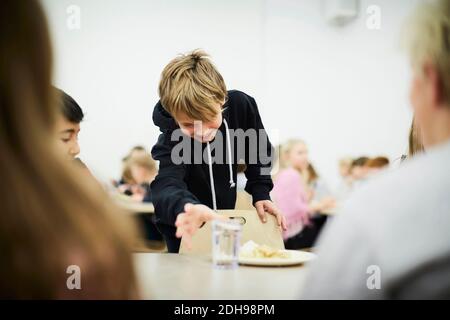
<point>342,89</point>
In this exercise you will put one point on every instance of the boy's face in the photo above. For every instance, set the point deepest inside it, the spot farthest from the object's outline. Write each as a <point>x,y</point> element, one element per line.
<point>68,137</point>
<point>198,130</point>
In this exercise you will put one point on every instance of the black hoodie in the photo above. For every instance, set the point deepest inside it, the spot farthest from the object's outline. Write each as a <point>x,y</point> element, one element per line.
<point>178,184</point>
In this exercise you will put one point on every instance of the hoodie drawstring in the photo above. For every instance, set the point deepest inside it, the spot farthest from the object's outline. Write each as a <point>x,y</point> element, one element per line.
<point>227,133</point>
<point>211,177</point>
<point>230,166</point>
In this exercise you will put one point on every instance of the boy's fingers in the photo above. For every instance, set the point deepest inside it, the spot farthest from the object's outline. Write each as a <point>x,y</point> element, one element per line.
<point>188,207</point>
<point>283,223</point>
<point>179,232</point>
<point>180,220</point>
<point>261,212</point>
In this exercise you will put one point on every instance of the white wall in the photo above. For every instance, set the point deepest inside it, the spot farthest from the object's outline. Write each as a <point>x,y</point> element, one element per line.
<point>343,90</point>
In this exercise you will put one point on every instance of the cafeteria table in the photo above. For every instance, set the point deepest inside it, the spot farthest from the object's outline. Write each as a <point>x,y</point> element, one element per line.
<point>185,277</point>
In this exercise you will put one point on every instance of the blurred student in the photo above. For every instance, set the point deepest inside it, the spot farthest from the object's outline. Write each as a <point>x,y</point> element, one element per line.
<point>345,165</point>
<point>193,93</point>
<point>126,180</point>
<point>345,185</point>
<point>291,195</point>
<point>359,172</point>
<point>316,184</point>
<point>358,169</point>
<point>51,216</point>
<point>377,164</point>
<point>143,171</point>
<point>392,239</point>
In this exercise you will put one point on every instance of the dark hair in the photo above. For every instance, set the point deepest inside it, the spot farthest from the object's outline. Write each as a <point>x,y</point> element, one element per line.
<point>378,162</point>
<point>360,162</point>
<point>70,108</point>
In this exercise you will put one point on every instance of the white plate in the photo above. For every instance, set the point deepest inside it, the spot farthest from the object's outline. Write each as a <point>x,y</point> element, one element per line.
<point>296,257</point>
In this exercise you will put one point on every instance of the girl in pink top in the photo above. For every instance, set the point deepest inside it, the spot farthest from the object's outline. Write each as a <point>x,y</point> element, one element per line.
<point>290,192</point>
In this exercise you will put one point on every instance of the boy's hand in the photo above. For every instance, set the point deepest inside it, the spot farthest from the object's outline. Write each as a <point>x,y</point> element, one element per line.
<point>193,217</point>
<point>264,206</point>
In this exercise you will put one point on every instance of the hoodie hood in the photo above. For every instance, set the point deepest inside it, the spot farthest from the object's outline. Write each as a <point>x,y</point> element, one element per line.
<point>163,119</point>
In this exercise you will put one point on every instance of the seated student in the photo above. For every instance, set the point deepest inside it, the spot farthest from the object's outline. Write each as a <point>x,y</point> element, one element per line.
<point>358,169</point>
<point>392,239</point>
<point>290,193</point>
<point>317,185</point>
<point>196,109</point>
<point>68,125</point>
<point>126,180</point>
<point>53,220</point>
<point>345,185</point>
<point>143,171</point>
<point>377,164</point>
<point>358,172</point>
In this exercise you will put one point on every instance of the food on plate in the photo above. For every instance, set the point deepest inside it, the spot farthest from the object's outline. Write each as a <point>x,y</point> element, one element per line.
<point>253,250</point>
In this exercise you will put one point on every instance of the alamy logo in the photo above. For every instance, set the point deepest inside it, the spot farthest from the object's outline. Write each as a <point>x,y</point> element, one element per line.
<point>374,280</point>
<point>74,280</point>
<point>73,21</point>
<point>236,145</point>
<point>373,21</point>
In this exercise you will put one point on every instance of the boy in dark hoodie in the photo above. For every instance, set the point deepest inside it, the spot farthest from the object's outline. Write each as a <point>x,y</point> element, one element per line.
<point>198,151</point>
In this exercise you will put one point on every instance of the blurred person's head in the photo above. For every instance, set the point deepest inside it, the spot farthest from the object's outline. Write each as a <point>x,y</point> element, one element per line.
<point>142,168</point>
<point>68,124</point>
<point>345,165</point>
<point>359,168</point>
<point>137,151</point>
<point>51,215</point>
<point>191,89</point>
<point>295,155</point>
<point>377,164</point>
<point>428,44</point>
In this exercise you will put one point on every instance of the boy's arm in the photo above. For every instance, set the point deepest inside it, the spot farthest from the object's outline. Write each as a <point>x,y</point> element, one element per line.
<point>169,191</point>
<point>259,159</point>
<point>259,180</point>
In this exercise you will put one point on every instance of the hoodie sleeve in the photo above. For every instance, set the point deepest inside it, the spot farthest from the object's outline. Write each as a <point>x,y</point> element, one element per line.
<point>258,173</point>
<point>169,191</point>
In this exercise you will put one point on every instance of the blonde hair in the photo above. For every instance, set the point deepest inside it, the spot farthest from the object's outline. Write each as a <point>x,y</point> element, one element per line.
<point>427,35</point>
<point>143,160</point>
<point>347,161</point>
<point>53,215</point>
<point>286,149</point>
<point>190,84</point>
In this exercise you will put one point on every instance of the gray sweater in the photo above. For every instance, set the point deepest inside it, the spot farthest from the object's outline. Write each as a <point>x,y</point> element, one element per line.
<point>391,240</point>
